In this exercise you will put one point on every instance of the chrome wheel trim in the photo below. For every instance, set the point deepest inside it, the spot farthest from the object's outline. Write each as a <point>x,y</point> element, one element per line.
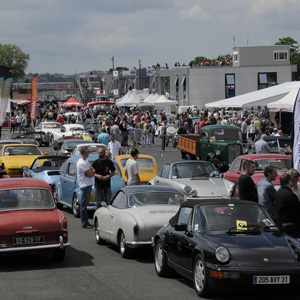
<point>159,257</point>
<point>76,205</point>
<point>97,233</point>
<point>199,274</point>
<point>122,243</point>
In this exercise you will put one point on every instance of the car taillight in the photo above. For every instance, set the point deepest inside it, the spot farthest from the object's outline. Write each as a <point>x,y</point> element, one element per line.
<point>136,230</point>
<point>64,223</point>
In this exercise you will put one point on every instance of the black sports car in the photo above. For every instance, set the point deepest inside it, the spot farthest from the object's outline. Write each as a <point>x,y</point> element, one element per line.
<point>227,244</point>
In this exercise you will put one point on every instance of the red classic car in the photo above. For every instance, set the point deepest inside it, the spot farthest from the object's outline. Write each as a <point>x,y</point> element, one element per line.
<point>281,162</point>
<point>30,220</point>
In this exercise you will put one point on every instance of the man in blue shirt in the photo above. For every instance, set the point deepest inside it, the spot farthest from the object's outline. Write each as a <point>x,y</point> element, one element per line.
<point>266,191</point>
<point>261,146</point>
<point>103,137</point>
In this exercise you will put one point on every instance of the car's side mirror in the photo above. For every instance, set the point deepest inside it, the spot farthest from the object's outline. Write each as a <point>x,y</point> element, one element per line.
<point>24,168</point>
<point>46,153</point>
<point>181,227</point>
<point>288,227</point>
<point>103,203</point>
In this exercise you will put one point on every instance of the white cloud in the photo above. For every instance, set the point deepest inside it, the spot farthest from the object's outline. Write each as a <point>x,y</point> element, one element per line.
<point>195,13</point>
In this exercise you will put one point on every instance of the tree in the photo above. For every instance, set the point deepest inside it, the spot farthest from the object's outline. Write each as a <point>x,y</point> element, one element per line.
<point>12,56</point>
<point>294,52</point>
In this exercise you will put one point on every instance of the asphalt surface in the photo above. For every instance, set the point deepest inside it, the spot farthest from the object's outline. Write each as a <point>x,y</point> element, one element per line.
<point>91,271</point>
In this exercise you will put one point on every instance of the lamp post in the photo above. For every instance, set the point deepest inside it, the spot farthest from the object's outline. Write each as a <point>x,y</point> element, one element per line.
<point>113,62</point>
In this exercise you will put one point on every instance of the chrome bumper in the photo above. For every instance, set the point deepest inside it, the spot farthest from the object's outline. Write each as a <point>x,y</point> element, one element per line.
<point>60,245</point>
<point>135,244</point>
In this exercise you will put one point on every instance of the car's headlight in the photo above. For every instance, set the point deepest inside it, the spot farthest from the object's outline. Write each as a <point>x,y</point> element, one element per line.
<point>217,152</point>
<point>187,190</point>
<point>222,254</point>
<point>194,193</point>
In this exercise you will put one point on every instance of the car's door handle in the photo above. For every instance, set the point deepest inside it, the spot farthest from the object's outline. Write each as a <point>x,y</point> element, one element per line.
<point>112,216</point>
<point>157,181</point>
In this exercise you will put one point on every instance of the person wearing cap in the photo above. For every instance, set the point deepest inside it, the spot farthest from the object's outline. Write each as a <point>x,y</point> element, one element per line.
<point>163,133</point>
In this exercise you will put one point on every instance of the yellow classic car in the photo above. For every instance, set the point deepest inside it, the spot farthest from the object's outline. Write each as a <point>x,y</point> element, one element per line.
<point>147,166</point>
<point>15,156</point>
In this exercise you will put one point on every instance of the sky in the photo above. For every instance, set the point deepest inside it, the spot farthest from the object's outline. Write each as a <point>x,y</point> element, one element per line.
<point>76,36</point>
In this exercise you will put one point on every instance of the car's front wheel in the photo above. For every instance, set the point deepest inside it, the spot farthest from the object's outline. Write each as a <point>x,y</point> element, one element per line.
<point>200,278</point>
<point>124,249</point>
<point>99,240</point>
<point>55,196</point>
<point>160,260</point>
<point>76,206</point>
<point>52,139</point>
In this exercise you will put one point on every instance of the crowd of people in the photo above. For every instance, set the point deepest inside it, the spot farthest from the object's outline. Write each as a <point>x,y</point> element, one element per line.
<point>282,204</point>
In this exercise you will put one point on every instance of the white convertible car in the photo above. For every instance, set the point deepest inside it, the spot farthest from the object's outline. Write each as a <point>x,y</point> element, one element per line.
<point>135,215</point>
<point>198,179</point>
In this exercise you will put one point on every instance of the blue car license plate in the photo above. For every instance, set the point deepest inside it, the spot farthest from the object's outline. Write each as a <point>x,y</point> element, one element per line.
<point>28,240</point>
<point>279,279</point>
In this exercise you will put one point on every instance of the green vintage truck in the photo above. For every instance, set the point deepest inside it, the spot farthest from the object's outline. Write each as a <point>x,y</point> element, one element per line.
<point>220,144</point>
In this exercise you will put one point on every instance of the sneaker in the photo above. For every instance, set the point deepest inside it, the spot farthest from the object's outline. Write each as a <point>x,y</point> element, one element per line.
<point>88,226</point>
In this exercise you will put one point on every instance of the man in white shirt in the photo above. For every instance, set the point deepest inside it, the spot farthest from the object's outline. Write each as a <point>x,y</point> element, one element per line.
<point>114,146</point>
<point>132,168</point>
<point>85,175</point>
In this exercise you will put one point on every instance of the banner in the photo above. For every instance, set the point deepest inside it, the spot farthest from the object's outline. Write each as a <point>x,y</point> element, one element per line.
<point>296,134</point>
<point>34,92</point>
<point>5,88</point>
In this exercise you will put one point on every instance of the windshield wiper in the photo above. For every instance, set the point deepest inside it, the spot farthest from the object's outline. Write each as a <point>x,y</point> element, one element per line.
<point>248,229</point>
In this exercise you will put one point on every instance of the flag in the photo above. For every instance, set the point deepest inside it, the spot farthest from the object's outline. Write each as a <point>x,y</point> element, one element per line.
<point>5,87</point>
<point>296,134</point>
<point>34,92</point>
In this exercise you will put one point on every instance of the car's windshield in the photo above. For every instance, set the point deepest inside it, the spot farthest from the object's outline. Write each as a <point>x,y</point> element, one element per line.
<point>55,161</point>
<point>155,198</point>
<point>279,163</point>
<point>190,170</point>
<point>142,162</point>
<point>224,135</point>
<point>225,217</point>
<point>28,198</point>
<point>22,150</point>
<point>52,125</point>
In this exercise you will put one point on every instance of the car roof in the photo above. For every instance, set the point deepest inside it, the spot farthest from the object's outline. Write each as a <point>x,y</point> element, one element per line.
<point>261,156</point>
<point>211,127</point>
<point>21,145</point>
<point>7,142</point>
<point>133,189</point>
<point>19,183</point>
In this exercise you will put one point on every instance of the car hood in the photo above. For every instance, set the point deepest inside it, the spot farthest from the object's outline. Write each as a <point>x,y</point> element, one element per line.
<point>28,221</point>
<point>247,250</point>
<point>19,161</point>
<point>208,186</point>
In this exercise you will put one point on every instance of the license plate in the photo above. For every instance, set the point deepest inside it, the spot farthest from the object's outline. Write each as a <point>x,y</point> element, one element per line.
<point>28,240</point>
<point>280,279</point>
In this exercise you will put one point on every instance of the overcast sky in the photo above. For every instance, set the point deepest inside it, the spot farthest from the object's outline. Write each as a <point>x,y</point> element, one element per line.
<point>73,36</point>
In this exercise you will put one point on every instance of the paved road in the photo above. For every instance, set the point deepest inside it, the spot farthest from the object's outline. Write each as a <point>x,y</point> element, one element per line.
<point>91,271</point>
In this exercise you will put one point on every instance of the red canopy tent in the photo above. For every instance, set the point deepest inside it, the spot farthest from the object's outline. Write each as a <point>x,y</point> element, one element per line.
<point>101,103</point>
<point>72,103</point>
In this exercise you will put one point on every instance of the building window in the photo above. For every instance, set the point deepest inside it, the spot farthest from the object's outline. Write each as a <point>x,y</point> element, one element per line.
<point>229,85</point>
<point>165,86</point>
<point>177,87</point>
<point>266,80</point>
<point>183,84</point>
<point>280,55</point>
<point>235,56</point>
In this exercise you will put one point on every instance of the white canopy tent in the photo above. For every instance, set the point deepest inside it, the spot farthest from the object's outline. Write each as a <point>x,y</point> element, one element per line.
<point>256,98</point>
<point>286,103</point>
<point>130,101</point>
<point>151,98</point>
<point>164,103</point>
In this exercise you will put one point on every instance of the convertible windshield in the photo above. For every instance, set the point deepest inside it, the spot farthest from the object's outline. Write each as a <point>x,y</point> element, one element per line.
<point>20,199</point>
<point>22,150</point>
<point>278,163</point>
<point>231,217</point>
<point>224,135</point>
<point>153,198</point>
<point>190,170</point>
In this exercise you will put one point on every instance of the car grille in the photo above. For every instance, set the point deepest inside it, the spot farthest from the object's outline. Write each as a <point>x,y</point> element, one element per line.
<point>233,152</point>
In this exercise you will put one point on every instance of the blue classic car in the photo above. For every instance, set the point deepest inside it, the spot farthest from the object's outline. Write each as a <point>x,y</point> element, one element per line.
<point>45,168</point>
<point>66,190</point>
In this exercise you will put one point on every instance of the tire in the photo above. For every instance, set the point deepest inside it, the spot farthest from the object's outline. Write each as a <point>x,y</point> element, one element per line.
<point>188,157</point>
<point>99,240</point>
<point>125,251</point>
<point>200,278</point>
<point>160,261</point>
<point>55,196</point>
<point>76,206</point>
<point>59,254</point>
